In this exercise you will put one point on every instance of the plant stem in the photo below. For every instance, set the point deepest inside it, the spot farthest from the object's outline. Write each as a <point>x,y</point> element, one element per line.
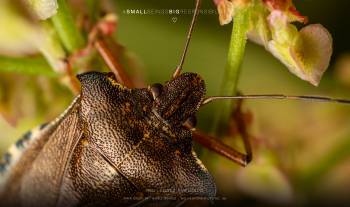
<point>94,8</point>
<point>27,65</point>
<point>232,71</point>
<point>66,28</point>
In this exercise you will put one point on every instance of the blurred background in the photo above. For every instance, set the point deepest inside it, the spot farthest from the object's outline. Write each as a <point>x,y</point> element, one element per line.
<point>301,149</point>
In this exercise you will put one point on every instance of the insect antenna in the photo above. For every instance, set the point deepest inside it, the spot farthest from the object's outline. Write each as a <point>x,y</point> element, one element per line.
<point>277,96</point>
<point>189,35</point>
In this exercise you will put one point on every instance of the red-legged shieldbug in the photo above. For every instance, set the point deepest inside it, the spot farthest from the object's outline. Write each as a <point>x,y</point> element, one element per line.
<point>117,145</point>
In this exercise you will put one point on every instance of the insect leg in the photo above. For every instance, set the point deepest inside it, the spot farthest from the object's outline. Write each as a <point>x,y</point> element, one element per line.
<point>214,144</point>
<point>222,149</point>
<point>239,118</point>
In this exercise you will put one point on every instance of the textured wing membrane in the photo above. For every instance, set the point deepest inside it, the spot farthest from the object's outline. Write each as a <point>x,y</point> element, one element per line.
<point>37,176</point>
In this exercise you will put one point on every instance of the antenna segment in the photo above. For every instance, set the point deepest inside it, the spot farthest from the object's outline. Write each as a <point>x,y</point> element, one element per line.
<point>189,35</point>
<point>277,96</point>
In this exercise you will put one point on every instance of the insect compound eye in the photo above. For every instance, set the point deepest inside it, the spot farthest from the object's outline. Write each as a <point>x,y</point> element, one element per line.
<point>191,122</point>
<point>156,90</point>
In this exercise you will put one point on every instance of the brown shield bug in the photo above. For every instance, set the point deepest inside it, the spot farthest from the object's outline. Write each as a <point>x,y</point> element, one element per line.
<point>117,145</point>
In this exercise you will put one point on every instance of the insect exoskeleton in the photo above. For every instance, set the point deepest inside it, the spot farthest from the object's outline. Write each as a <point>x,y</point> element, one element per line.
<point>112,144</point>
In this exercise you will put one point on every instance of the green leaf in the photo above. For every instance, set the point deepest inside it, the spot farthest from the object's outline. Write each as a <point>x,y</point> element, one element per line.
<point>66,28</point>
<point>51,47</point>
<point>29,66</point>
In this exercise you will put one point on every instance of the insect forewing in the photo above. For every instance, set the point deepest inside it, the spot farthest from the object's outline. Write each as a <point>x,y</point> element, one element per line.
<point>35,180</point>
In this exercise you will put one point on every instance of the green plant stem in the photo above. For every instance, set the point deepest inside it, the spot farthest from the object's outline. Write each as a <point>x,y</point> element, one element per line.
<point>94,9</point>
<point>66,28</point>
<point>310,177</point>
<point>27,65</point>
<point>233,67</point>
